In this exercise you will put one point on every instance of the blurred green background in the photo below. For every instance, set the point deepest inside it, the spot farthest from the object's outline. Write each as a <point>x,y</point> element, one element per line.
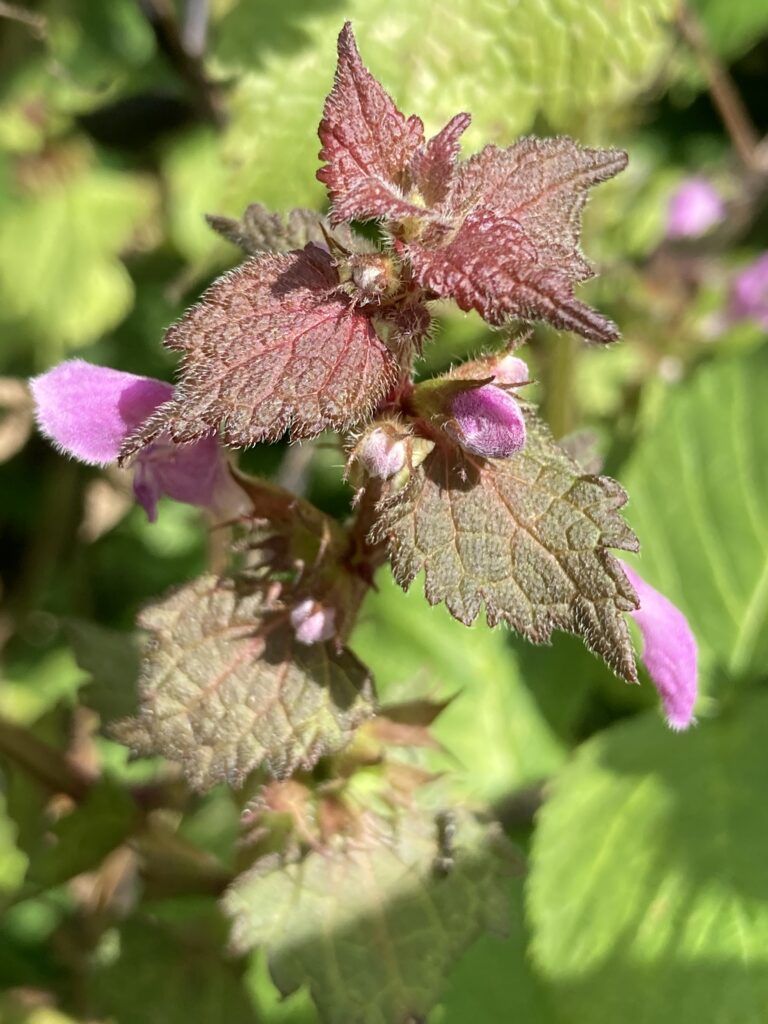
<point>121,124</point>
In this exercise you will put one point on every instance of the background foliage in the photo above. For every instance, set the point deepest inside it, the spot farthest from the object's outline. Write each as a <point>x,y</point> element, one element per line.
<point>641,889</point>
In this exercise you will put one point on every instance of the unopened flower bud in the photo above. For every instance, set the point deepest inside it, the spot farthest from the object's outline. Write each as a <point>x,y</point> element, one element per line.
<point>373,274</point>
<point>388,453</point>
<point>313,622</point>
<point>509,369</point>
<point>486,421</point>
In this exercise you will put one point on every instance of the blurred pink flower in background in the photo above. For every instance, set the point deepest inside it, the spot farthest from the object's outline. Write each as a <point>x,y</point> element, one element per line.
<point>693,209</point>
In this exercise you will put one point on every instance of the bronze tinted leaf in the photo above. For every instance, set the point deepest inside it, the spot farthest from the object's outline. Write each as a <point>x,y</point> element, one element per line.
<point>373,926</point>
<point>543,184</point>
<point>492,266</point>
<point>367,144</point>
<point>433,167</point>
<point>272,346</point>
<point>226,690</point>
<point>525,536</point>
<point>514,251</point>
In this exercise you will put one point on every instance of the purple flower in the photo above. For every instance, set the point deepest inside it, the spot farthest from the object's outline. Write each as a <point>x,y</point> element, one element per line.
<point>669,651</point>
<point>694,209</point>
<point>383,452</point>
<point>313,622</point>
<point>748,298</point>
<point>487,421</point>
<point>510,369</point>
<point>88,411</point>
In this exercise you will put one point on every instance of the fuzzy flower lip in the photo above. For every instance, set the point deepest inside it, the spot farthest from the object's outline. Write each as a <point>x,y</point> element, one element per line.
<point>693,209</point>
<point>669,651</point>
<point>748,299</point>
<point>87,412</point>
<point>487,421</point>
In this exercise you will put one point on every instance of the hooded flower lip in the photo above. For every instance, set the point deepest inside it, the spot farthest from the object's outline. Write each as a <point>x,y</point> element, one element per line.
<point>669,651</point>
<point>487,421</point>
<point>87,412</point>
<point>693,209</point>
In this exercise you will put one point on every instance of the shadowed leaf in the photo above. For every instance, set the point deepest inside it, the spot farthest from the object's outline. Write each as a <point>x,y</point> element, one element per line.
<point>272,346</point>
<point>84,837</point>
<point>372,925</point>
<point>169,973</point>
<point>526,536</point>
<point>112,659</point>
<point>225,690</point>
<point>259,230</point>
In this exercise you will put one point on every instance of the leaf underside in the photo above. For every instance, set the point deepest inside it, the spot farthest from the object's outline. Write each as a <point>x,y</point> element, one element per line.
<point>272,346</point>
<point>224,691</point>
<point>371,926</point>
<point>527,537</point>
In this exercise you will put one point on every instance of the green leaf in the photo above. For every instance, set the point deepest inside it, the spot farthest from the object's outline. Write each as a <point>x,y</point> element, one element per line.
<point>163,974</point>
<point>526,536</point>
<point>699,487</point>
<point>13,863</point>
<point>371,926</point>
<point>647,892</point>
<point>494,981</point>
<point>84,837</point>
<point>496,739</point>
<point>113,661</point>
<point>222,696</point>
<point>70,287</point>
<point>559,58</point>
<point>732,26</point>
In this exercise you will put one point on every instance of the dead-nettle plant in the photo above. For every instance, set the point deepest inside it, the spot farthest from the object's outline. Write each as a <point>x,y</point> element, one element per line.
<point>456,479</point>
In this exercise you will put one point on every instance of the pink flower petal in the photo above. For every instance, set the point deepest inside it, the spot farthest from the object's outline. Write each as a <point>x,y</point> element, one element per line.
<point>487,421</point>
<point>669,651</point>
<point>88,411</point>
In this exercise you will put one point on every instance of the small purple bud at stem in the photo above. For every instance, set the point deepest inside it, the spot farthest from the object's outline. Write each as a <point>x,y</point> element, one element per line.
<point>694,209</point>
<point>312,622</point>
<point>382,454</point>
<point>669,651</point>
<point>510,370</point>
<point>487,421</point>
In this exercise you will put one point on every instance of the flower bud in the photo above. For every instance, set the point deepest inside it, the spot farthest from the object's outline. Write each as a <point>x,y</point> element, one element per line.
<point>313,622</point>
<point>387,452</point>
<point>486,421</point>
<point>509,370</point>
<point>748,299</point>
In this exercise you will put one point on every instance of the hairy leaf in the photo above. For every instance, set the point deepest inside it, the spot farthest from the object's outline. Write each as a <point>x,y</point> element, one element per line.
<point>263,231</point>
<point>373,926</point>
<point>562,59</point>
<point>515,248</point>
<point>526,536</point>
<point>225,689</point>
<point>367,143</point>
<point>272,346</point>
<point>647,894</point>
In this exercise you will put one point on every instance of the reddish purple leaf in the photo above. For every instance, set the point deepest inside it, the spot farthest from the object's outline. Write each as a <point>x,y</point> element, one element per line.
<point>433,167</point>
<point>273,345</point>
<point>493,266</point>
<point>367,143</point>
